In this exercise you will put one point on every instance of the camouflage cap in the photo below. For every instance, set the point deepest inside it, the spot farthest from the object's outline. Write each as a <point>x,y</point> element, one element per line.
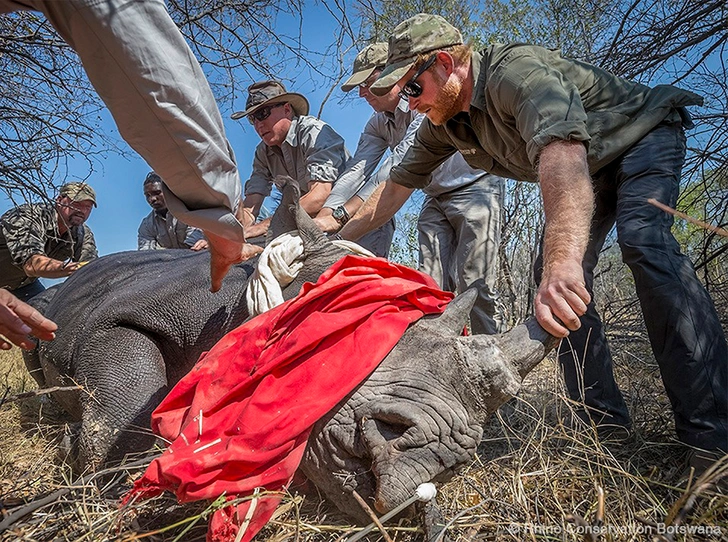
<point>369,59</point>
<point>416,35</point>
<point>78,192</point>
<point>271,92</point>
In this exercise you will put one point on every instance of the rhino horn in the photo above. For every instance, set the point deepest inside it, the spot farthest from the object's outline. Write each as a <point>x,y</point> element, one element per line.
<point>295,218</point>
<point>493,366</point>
<point>526,345</point>
<point>453,320</point>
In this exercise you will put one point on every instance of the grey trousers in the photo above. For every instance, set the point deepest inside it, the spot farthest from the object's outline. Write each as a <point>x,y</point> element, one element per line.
<point>147,76</point>
<point>683,326</point>
<point>459,234</point>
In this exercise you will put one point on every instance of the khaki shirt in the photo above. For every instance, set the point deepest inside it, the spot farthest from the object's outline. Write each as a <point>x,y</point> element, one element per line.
<point>524,98</point>
<point>312,151</point>
<point>159,231</point>
<point>32,229</point>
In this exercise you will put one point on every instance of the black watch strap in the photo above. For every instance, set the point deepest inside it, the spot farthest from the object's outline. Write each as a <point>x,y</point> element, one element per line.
<point>341,215</point>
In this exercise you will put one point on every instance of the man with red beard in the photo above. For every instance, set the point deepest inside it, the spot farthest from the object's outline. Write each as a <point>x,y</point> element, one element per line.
<point>459,223</point>
<point>599,146</point>
<point>47,240</point>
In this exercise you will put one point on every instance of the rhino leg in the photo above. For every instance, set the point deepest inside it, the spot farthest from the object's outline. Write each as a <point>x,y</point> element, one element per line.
<point>124,385</point>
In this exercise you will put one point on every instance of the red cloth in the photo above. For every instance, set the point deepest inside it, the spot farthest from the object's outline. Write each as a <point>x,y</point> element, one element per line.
<point>262,387</point>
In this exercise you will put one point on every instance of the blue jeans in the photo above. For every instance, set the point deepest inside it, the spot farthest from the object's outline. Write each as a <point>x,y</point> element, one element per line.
<point>683,326</point>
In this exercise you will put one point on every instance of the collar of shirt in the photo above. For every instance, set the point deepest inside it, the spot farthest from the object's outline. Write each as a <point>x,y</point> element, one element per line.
<point>478,98</point>
<point>292,136</point>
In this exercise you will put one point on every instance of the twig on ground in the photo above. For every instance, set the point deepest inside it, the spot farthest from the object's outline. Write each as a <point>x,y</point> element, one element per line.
<point>36,393</point>
<point>372,515</point>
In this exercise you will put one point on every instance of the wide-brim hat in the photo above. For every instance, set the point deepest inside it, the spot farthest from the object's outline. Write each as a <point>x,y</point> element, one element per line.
<point>417,35</point>
<point>369,59</point>
<point>271,92</point>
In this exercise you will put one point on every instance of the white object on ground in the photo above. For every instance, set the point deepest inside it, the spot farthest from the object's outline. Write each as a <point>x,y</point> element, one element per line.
<point>423,493</point>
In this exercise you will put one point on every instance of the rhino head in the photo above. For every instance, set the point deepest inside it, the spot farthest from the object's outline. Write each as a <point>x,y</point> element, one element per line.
<point>419,416</point>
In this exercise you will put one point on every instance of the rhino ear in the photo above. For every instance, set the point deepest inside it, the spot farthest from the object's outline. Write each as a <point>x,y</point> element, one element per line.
<point>456,314</point>
<point>290,217</point>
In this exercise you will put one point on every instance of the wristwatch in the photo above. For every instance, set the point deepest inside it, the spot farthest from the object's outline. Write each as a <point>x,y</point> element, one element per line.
<point>341,215</point>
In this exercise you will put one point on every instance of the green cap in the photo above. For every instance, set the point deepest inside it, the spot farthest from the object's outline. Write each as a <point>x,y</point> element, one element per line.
<point>419,34</point>
<point>271,92</point>
<point>78,192</point>
<point>369,59</point>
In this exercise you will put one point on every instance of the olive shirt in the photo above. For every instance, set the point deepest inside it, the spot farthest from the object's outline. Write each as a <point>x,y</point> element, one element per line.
<point>32,229</point>
<point>312,151</point>
<point>159,231</point>
<point>525,97</point>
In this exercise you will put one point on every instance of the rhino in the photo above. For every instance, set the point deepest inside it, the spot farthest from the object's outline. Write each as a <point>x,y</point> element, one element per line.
<point>132,324</point>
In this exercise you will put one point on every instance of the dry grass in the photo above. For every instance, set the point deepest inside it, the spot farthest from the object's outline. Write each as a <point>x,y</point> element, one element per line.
<point>533,478</point>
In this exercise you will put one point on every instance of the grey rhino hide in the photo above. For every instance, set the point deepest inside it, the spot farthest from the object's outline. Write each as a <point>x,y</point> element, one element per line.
<point>419,416</point>
<point>132,324</point>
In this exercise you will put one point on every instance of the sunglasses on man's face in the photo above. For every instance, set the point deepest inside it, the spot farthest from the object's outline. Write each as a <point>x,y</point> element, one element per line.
<point>412,89</point>
<point>262,113</point>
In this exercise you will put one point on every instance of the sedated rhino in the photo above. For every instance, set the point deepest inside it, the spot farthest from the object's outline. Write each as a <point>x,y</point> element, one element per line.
<point>132,324</point>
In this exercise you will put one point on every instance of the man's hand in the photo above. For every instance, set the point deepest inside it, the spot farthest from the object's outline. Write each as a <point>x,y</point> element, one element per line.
<point>199,245</point>
<point>327,223</point>
<point>257,229</point>
<point>18,320</point>
<point>224,254</point>
<point>562,298</point>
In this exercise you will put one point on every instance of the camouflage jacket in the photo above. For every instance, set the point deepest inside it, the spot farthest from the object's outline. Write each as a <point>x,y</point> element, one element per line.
<point>32,229</point>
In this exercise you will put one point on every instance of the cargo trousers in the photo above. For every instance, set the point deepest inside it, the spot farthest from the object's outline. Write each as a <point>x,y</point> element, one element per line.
<point>685,333</point>
<point>459,233</point>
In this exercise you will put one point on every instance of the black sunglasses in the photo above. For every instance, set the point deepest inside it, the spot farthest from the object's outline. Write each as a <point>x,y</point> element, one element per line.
<point>412,89</point>
<point>263,113</point>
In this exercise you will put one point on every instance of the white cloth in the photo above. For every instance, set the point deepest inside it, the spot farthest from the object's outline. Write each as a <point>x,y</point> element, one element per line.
<point>278,265</point>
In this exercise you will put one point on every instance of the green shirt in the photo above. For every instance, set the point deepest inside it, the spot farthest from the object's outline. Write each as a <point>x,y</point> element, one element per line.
<point>525,97</point>
<point>32,229</point>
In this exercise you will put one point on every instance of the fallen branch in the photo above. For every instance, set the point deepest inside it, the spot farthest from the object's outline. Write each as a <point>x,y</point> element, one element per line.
<point>36,393</point>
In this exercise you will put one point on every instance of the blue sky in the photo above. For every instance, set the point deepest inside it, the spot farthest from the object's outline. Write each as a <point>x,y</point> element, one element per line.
<point>118,181</point>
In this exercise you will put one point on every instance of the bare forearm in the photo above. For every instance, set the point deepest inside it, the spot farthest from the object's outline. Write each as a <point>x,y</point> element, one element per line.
<point>43,266</point>
<point>568,200</point>
<point>376,210</point>
<point>314,199</point>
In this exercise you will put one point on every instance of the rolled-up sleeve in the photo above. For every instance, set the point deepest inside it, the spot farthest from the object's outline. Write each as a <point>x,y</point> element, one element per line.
<point>24,234</point>
<point>427,152</point>
<point>328,154</point>
<point>545,105</point>
<point>192,236</point>
<point>369,151</point>
<point>146,236</point>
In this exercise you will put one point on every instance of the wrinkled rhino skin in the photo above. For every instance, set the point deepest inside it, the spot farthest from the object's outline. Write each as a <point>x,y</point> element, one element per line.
<point>419,417</point>
<point>132,324</point>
